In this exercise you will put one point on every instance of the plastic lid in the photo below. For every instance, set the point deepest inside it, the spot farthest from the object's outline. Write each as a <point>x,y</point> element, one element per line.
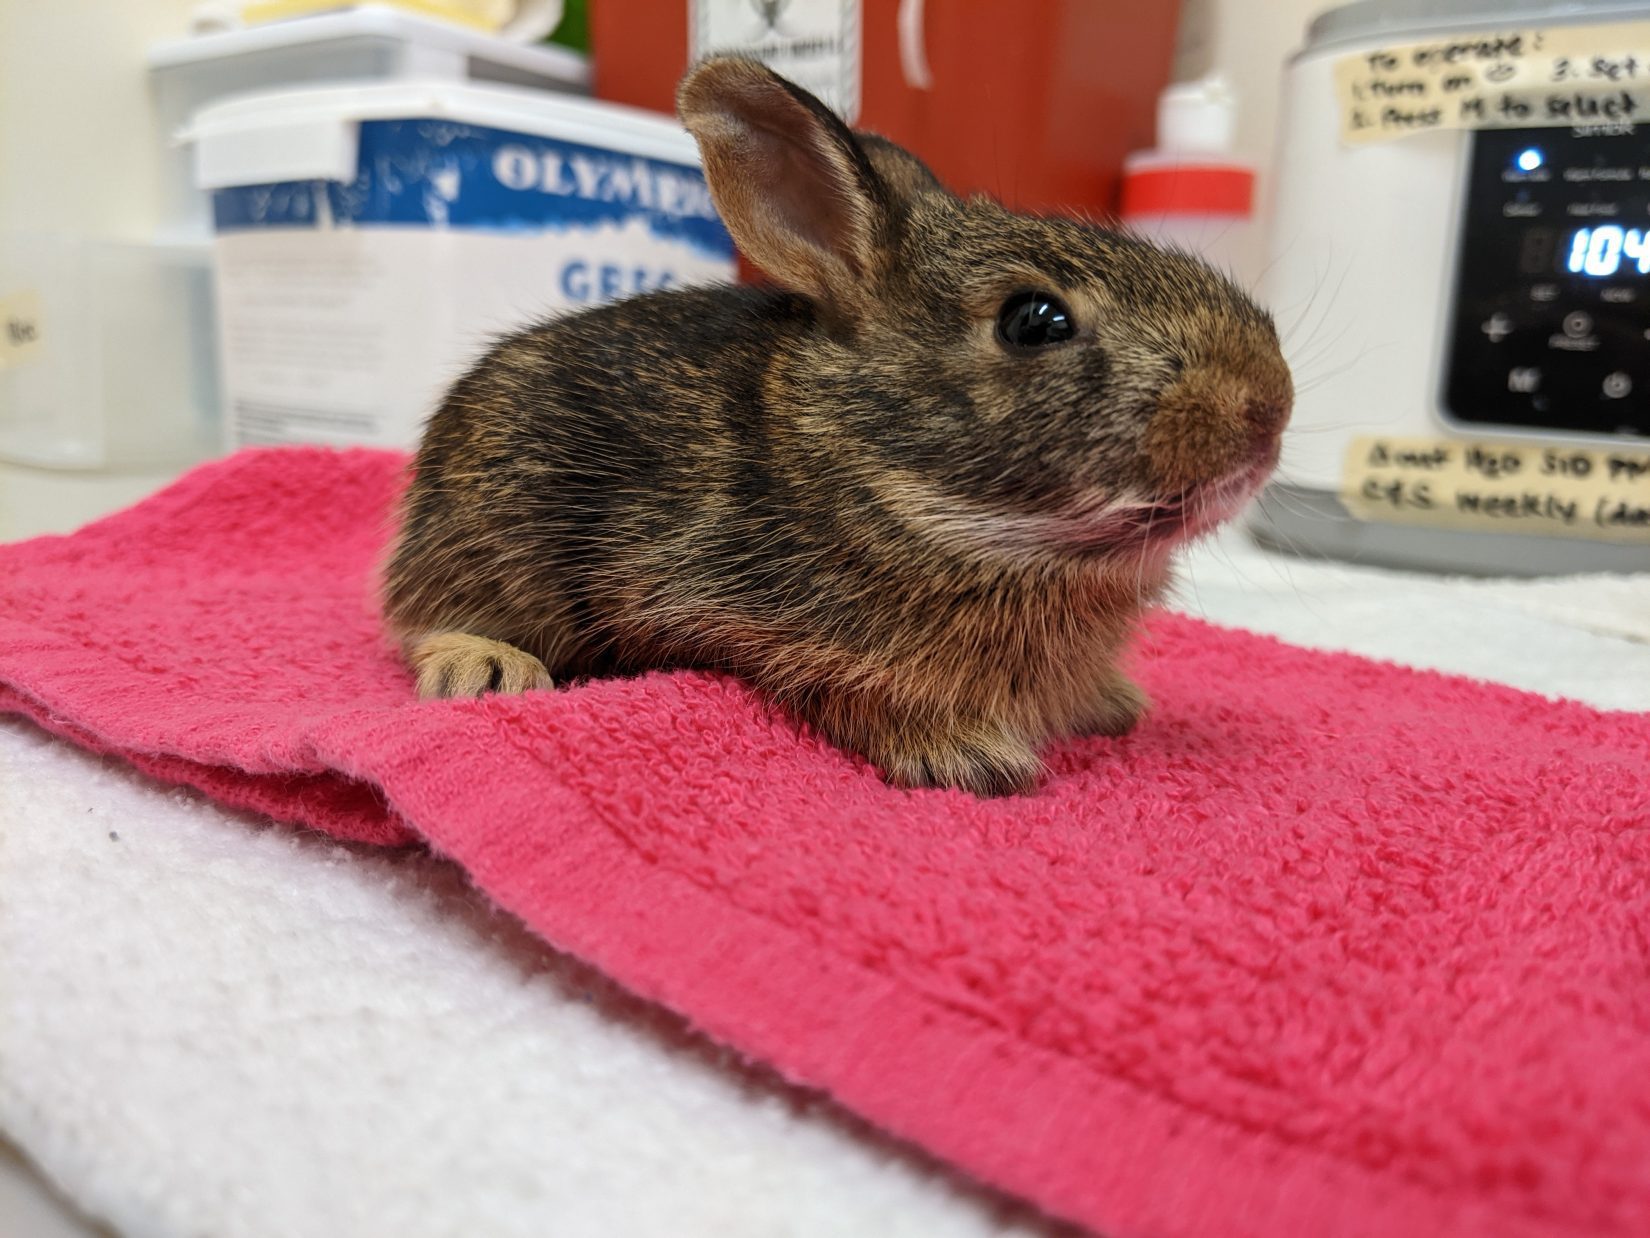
<point>307,132</point>
<point>1192,171</point>
<point>540,60</point>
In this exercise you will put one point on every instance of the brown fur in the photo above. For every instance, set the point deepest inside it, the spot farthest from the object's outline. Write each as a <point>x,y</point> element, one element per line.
<point>928,545</point>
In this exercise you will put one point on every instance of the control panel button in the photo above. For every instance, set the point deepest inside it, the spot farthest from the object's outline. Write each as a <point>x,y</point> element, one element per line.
<point>1617,384</point>
<point>1575,333</point>
<point>1524,378</point>
<point>1565,343</point>
<point>1497,328</point>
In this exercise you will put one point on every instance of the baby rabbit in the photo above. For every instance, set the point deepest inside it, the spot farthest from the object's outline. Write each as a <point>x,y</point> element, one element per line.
<point>918,498</point>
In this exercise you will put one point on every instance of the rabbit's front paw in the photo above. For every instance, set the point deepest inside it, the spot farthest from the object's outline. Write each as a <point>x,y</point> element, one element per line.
<point>458,664</point>
<point>983,760</point>
<point>1115,706</point>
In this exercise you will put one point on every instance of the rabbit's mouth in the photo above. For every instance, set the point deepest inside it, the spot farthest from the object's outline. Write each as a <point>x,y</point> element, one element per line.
<point>1097,524</point>
<point>1162,521</point>
<point>1198,509</point>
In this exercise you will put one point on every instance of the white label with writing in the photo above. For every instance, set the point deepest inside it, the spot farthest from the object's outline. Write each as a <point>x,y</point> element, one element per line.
<point>352,335</point>
<point>814,43</point>
<point>1600,493</point>
<point>1516,78</point>
<point>22,331</point>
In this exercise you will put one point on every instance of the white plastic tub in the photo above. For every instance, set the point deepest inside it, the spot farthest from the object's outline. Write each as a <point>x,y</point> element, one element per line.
<point>370,241</point>
<point>369,43</point>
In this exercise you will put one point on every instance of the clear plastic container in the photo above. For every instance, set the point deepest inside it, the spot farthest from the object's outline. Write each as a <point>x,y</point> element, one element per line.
<point>119,367</point>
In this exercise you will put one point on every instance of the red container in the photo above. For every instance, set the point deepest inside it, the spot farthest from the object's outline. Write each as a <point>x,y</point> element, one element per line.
<point>1034,104</point>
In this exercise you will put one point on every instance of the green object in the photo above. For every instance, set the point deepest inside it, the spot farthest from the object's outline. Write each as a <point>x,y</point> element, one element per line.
<point>574,30</point>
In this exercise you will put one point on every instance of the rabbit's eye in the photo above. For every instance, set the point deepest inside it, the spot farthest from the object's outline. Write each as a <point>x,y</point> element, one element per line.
<point>1034,320</point>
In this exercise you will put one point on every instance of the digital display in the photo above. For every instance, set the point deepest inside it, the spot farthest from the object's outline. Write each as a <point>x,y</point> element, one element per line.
<point>1607,250</point>
<point>1551,320</point>
<point>1600,251</point>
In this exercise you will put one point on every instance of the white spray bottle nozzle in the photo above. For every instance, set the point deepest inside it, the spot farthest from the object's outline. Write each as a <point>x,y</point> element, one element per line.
<point>1197,117</point>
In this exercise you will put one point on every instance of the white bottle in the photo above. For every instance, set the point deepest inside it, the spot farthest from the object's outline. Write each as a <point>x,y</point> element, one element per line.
<point>1192,191</point>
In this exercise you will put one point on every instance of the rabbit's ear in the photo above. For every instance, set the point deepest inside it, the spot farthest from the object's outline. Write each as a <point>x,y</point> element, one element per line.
<point>794,188</point>
<point>904,175</point>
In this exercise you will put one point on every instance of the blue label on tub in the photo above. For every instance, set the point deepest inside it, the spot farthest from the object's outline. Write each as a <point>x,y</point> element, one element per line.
<point>438,174</point>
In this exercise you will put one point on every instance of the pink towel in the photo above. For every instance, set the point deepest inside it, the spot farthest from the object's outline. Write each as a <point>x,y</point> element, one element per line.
<point>1326,947</point>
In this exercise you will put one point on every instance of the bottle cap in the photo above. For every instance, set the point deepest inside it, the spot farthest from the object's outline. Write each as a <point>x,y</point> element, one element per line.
<point>1192,171</point>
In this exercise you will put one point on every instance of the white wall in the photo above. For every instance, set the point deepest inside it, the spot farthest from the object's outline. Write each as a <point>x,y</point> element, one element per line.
<point>78,145</point>
<point>77,140</point>
<point>1249,42</point>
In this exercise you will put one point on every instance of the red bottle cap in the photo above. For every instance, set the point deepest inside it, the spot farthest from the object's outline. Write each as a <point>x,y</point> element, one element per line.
<point>1189,189</point>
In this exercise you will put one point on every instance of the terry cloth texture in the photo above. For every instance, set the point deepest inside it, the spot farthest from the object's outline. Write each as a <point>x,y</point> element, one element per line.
<point>1326,946</point>
<point>215,1027</point>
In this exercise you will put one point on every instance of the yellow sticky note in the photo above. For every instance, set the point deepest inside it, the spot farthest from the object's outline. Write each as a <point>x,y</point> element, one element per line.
<point>1515,78</point>
<point>1598,493</point>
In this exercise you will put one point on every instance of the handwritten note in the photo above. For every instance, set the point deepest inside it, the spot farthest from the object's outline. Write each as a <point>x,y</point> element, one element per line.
<point>1597,493</point>
<point>1561,75</point>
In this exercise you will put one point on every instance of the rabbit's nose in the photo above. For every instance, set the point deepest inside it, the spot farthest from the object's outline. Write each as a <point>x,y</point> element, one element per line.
<point>1266,417</point>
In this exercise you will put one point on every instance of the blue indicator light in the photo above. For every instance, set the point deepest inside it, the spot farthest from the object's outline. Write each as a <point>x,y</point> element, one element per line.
<point>1529,159</point>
